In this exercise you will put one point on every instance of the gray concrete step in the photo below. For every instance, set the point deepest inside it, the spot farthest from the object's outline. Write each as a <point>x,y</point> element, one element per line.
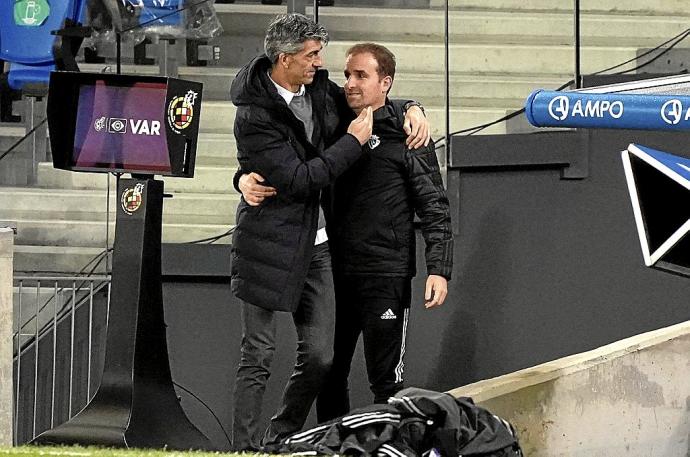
<point>49,232</point>
<point>665,7</point>
<point>207,180</point>
<point>68,204</point>
<point>216,149</point>
<point>217,117</point>
<point>485,89</point>
<point>16,167</point>
<point>479,21</point>
<point>545,59</point>
<point>217,112</point>
<point>10,133</point>
<point>61,230</point>
<point>57,259</point>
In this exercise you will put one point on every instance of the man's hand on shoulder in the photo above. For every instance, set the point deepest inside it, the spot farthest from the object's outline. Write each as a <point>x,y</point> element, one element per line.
<point>436,291</point>
<point>417,127</point>
<point>253,191</point>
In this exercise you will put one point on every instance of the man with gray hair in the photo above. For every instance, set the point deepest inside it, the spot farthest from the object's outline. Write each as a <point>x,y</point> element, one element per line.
<point>289,131</point>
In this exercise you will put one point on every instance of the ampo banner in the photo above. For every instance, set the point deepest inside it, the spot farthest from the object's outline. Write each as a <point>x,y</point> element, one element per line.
<point>545,108</point>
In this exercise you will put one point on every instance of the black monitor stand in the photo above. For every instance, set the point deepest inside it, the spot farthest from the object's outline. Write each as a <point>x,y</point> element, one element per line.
<point>136,404</point>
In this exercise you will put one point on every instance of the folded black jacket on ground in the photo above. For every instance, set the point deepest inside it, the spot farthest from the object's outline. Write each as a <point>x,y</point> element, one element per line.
<point>416,422</point>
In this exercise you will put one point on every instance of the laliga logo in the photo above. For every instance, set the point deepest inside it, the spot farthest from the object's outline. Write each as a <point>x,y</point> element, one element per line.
<point>559,107</point>
<point>672,112</point>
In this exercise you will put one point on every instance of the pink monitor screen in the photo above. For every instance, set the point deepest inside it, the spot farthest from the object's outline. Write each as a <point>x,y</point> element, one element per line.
<point>121,127</point>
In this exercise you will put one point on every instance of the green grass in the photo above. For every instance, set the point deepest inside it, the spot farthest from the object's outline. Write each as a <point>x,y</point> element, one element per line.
<point>78,451</point>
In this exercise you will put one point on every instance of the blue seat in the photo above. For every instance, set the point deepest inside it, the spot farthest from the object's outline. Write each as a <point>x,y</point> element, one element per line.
<point>26,41</point>
<point>20,75</point>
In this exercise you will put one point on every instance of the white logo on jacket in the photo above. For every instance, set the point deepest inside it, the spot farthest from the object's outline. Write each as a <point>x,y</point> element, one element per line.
<point>374,141</point>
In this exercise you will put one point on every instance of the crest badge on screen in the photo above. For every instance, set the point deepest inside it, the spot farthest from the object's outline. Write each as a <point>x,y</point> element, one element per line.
<point>181,111</point>
<point>131,199</point>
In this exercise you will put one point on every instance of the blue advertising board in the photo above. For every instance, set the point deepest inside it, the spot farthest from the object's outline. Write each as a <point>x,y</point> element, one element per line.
<point>545,108</point>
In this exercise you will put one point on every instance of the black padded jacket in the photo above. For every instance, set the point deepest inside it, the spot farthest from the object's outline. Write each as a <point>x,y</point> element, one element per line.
<point>272,244</point>
<point>375,202</point>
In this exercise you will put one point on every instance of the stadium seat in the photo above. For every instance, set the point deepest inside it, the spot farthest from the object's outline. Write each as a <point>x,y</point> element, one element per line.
<point>27,41</point>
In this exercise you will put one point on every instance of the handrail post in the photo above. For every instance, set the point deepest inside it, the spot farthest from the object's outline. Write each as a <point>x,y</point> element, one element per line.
<point>6,340</point>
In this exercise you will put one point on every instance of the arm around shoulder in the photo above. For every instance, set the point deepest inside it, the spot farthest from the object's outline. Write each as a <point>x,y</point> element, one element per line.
<point>265,150</point>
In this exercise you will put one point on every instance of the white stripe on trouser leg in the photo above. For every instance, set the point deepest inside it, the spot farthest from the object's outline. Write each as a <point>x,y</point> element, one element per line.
<point>401,364</point>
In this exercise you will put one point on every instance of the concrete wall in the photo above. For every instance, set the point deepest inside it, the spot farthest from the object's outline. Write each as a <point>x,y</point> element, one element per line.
<point>6,256</point>
<point>628,398</point>
<point>546,267</point>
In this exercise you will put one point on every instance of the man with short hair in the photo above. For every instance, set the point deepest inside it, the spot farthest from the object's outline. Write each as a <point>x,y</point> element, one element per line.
<point>373,238</point>
<point>289,131</point>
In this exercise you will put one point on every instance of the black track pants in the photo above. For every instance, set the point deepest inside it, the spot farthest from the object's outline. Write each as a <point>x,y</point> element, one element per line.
<point>378,308</point>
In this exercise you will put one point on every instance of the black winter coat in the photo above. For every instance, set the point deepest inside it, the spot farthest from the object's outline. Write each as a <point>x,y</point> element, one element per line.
<point>272,244</point>
<point>375,203</point>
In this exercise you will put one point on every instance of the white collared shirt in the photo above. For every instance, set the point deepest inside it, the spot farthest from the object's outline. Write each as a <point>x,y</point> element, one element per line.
<point>286,94</point>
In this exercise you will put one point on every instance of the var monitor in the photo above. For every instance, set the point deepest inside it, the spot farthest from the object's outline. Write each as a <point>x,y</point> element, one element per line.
<point>123,123</point>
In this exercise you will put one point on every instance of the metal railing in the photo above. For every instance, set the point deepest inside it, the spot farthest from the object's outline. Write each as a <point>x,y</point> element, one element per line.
<point>59,340</point>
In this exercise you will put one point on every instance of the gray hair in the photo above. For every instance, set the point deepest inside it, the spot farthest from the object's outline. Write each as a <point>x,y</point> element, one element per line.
<point>288,32</point>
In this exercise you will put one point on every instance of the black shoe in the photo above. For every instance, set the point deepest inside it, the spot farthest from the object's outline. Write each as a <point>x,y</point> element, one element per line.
<point>326,2</point>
